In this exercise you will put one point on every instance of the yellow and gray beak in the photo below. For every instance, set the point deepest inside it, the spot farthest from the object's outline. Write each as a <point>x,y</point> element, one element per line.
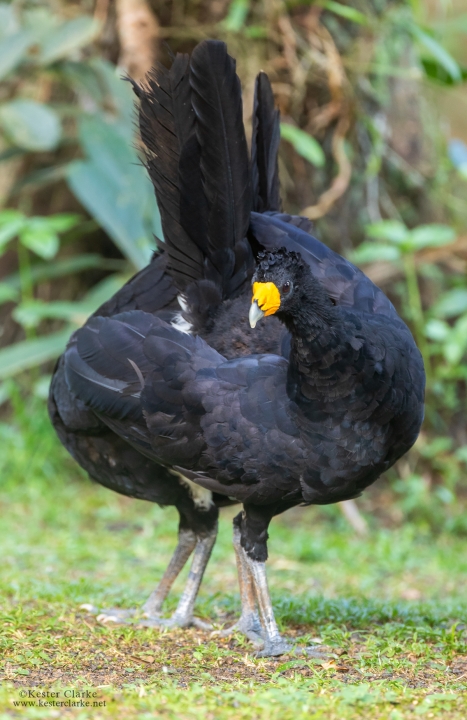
<point>266,300</point>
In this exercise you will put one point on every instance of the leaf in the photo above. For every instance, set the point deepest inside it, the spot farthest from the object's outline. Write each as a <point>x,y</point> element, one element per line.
<point>344,11</point>
<point>104,290</point>
<point>236,15</point>
<point>439,53</point>
<point>60,268</point>
<point>374,252</point>
<point>13,49</point>
<point>39,237</point>
<point>11,228</point>
<point>118,93</point>
<point>61,222</point>
<point>7,216</point>
<point>437,330</point>
<point>391,230</point>
<point>116,204</point>
<point>457,151</point>
<point>7,293</point>
<point>304,144</point>
<point>438,74</point>
<point>432,235</point>
<point>452,303</point>
<point>68,37</point>
<point>30,353</point>
<point>30,125</point>
<point>30,314</point>
<point>8,19</point>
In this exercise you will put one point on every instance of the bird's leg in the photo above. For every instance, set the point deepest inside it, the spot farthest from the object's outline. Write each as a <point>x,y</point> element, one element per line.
<point>274,643</point>
<point>248,623</point>
<point>186,545</point>
<point>153,605</point>
<point>197,532</point>
<point>253,524</point>
<point>183,615</point>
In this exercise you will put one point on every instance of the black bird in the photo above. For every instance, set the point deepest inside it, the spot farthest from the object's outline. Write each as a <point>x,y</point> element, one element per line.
<point>205,224</point>
<point>315,424</point>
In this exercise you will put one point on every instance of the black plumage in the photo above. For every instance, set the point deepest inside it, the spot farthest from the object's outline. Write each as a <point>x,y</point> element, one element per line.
<point>206,415</point>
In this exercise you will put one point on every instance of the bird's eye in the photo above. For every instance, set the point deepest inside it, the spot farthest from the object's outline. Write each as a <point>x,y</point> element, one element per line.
<point>286,288</point>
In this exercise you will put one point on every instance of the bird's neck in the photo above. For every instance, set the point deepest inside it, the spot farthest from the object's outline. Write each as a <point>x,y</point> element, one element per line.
<point>324,357</point>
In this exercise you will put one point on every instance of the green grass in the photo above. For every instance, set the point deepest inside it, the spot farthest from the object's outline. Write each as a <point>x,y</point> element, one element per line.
<point>388,610</point>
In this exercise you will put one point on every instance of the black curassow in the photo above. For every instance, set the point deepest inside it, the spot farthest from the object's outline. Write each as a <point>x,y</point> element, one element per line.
<point>182,407</point>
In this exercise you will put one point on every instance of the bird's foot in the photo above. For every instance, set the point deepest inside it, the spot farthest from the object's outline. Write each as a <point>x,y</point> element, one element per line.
<point>273,647</point>
<point>118,616</point>
<point>249,625</point>
<point>176,621</point>
<point>282,646</point>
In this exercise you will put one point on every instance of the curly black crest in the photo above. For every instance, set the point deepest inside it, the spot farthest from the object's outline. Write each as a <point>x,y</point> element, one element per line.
<point>279,259</point>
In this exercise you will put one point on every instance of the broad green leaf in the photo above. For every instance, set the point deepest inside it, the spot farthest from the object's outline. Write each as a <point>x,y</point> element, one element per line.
<point>452,303</point>
<point>30,125</point>
<point>437,330</point>
<point>107,148</point>
<point>65,39</point>
<point>119,93</point>
<point>392,231</point>
<point>84,80</point>
<point>431,236</point>
<point>7,293</point>
<point>104,290</point>
<point>8,19</point>
<point>455,348</point>
<point>39,19</point>
<point>13,49</point>
<point>374,252</point>
<point>439,53</point>
<point>60,268</point>
<point>236,15</point>
<point>116,209</point>
<point>7,216</point>
<point>349,13</point>
<point>30,314</point>
<point>30,353</point>
<point>39,237</point>
<point>304,144</point>
<point>62,221</point>
<point>9,230</point>
<point>41,389</point>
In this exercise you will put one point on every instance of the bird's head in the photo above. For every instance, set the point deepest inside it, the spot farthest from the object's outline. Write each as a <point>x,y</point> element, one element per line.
<point>283,284</point>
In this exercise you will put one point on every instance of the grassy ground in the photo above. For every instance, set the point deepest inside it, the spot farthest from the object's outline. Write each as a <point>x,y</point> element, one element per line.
<point>387,611</point>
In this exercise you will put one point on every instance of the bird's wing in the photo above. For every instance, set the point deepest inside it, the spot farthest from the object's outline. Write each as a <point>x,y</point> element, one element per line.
<point>345,283</point>
<point>183,405</point>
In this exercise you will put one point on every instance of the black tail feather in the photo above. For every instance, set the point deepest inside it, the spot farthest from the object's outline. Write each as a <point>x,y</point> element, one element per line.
<point>217,102</point>
<point>264,148</point>
<point>166,121</point>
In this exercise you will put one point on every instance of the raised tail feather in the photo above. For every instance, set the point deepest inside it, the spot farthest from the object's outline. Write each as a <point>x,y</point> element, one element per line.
<point>265,147</point>
<point>191,124</point>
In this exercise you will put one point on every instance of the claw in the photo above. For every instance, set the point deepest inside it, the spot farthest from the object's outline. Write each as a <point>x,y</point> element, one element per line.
<point>116,615</point>
<point>248,625</point>
<point>173,622</point>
